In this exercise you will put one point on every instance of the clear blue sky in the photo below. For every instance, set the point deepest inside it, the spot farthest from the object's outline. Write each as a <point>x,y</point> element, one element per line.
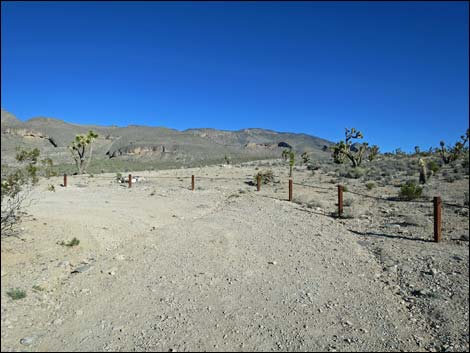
<point>398,71</point>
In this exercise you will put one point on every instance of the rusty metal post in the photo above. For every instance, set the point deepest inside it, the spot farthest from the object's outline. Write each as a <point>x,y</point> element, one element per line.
<point>437,219</point>
<point>340,200</point>
<point>192,182</point>
<point>290,189</point>
<point>130,180</point>
<point>65,180</point>
<point>258,182</point>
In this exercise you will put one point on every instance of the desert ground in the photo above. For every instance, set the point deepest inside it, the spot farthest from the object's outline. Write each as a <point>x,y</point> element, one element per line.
<point>160,267</point>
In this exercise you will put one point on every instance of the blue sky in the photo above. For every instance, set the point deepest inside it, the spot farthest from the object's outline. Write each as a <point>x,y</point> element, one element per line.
<point>398,71</point>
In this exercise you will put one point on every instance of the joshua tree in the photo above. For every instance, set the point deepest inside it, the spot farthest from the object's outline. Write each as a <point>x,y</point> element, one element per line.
<point>289,155</point>
<point>453,153</point>
<point>81,148</point>
<point>423,172</point>
<point>344,149</point>
<point>373,152</point>
<point>305,158</point>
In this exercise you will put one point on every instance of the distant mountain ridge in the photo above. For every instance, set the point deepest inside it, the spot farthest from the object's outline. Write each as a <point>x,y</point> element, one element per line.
<point>137,142</point>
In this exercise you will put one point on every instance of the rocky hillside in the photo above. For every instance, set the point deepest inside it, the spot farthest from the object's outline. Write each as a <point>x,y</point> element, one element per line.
<point>143,143</point>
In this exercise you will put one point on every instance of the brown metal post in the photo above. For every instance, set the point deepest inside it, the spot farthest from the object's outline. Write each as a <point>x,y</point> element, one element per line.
<point>258,182</point>
<point>437,219</point>
<point>192,182</point>
<point>65,180</point>
<point>290,189</point>
<point>130,180</point>
<point>340,200</point>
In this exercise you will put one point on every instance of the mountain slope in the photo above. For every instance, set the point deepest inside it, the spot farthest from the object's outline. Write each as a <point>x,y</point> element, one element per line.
<point>143,143</point>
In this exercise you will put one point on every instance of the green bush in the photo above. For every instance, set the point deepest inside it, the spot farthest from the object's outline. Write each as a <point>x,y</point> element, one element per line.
<point>434,166</point>
<point>267,176</point>
<point>16,185</point>
<point>370,185</point>
<point>71,243</point>
<point>410,191</point>
<point>355,173</point>
<point>16,293</point>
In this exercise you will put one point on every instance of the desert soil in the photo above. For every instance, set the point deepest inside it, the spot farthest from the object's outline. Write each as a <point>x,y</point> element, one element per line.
<point>162,268</point>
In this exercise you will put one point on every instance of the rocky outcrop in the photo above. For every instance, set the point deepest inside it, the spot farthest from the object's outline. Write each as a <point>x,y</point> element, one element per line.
<point>29,134</point>
<point>253,145</point>
<point>284,145</point>
<point>131,150</point>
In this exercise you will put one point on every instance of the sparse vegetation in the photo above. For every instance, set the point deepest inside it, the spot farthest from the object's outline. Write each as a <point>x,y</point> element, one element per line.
<point>355,173</point>
<point>423,172</point>
<point>38,288</point>
<point>16,293</point>
<point>73,242</point>
<point>51,188</point>
<point>433,166</point>
<point>452,154</point>
<point>15,190</point>
<point>289,155</point>
<point>410,191</point>
<point>267,176</point>
<point>370,185</point>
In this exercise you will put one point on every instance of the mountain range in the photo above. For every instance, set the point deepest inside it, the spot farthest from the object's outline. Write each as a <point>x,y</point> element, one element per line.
<point>152,144</point>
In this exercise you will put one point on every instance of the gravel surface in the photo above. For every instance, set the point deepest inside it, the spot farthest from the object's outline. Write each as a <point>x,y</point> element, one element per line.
<point>224,267</point>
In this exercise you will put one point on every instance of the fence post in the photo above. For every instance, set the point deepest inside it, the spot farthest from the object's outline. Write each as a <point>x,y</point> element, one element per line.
<point>340,200</point>
<point>290,189</point>
<point>65,180</point>
<point>437,219</point>
<point>258,182</point>
<point>192,182</point>
<point>130,180</point>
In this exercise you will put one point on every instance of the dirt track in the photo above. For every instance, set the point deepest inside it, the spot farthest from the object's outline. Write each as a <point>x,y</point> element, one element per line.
<point>225,268</point>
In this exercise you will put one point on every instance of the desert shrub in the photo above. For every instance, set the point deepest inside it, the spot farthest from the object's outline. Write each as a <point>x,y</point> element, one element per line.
<point>73,242</point>
<point>16,186</point>
<point>348,202</point>
<point>410,191</point>
<point>38,288</point>
<point>355,173</point>
<point>315,203</point>
<point>118,177</point>
<point>48,168</point>
<point>370,185</point>
<point>267,176</point>
<point>450,179</point>
<point>465,165</point>
<point>51,188</point>
<point>434,166</point>
<point>345,188</point>
<point>16,293</point>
